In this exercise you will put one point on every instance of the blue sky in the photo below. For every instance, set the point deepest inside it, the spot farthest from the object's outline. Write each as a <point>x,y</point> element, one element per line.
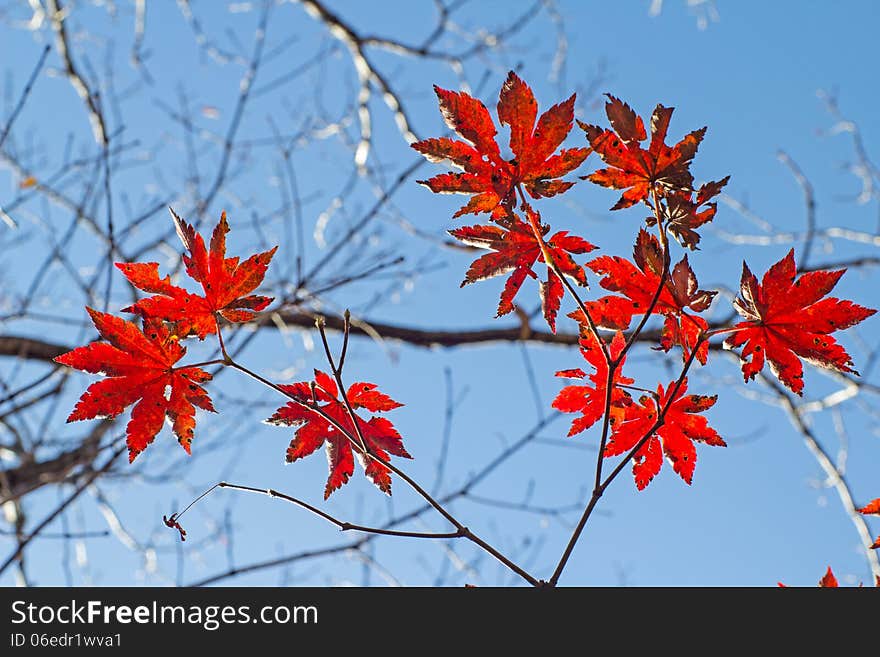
<point>756,512</point>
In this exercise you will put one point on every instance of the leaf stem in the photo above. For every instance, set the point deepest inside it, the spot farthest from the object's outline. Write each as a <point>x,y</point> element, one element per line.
<point>548,259</point>
<point>600,489</point>
<point>204,363</point>
<point>227,360</point>
<point>612,365</point>
<point>618,360</point>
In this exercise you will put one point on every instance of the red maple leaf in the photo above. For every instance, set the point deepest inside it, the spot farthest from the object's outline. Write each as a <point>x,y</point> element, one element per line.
<point>514,247</point>
<point>675,437</point>
<point>314,430</point>
<point>486,174</point>
<point>589,400</point>
<point>638,283</point>
<point>684,213</point>
<point>640,171</point>
<point>139,366</point>
<point>680,327</point>
<point>787,318</point>
<point>828,581</point>
<point>226,282</point>
<point>873,508</point>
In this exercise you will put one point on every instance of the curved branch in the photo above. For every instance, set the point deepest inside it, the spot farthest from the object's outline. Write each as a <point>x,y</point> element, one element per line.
<point>57,15</point>
<point>835,478</point>
<point>462,491</point>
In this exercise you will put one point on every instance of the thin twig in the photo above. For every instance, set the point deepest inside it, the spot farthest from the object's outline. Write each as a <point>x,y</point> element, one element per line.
<point>342,524</point>
<point>612,365</point>
<point>600,490</point>
<point>24,95</point>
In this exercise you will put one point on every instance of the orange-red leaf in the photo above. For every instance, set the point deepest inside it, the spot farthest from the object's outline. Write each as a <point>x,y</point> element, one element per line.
<point>139,366</point>
<point>468,117</point>
<point>492,179</point>
<point>787,318</point>
<point>227,284</point>
<point>828,581</point>
<point>684,213</point>
<point>514,248</point>
<point>639,171</point>
<point>638,283</point>
<point>871,508</point>
<point>314,429</point>
<point>682,425</point>
<point>589,400</point>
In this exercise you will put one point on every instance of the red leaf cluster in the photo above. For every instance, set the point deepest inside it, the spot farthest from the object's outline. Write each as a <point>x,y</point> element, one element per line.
<point>667,423</point>
<point>140,364</point>
<point>495,183</point>
<point>637,283</point>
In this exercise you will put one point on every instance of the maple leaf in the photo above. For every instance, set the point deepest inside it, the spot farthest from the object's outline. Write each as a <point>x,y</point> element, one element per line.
<point>681,427</point>
<point>515,248</point>
<point>490,178</point>
<point>680,327</point>
<point>788,318</point>
<point>828,581</point>
<point>684,214</point>
<point>641,172</point>
<point>139,366</point>
<point>873,508</point>
<point>638,283</point>
<point>227,284</point>
<point>314,430</point>
<point>589,400</point>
